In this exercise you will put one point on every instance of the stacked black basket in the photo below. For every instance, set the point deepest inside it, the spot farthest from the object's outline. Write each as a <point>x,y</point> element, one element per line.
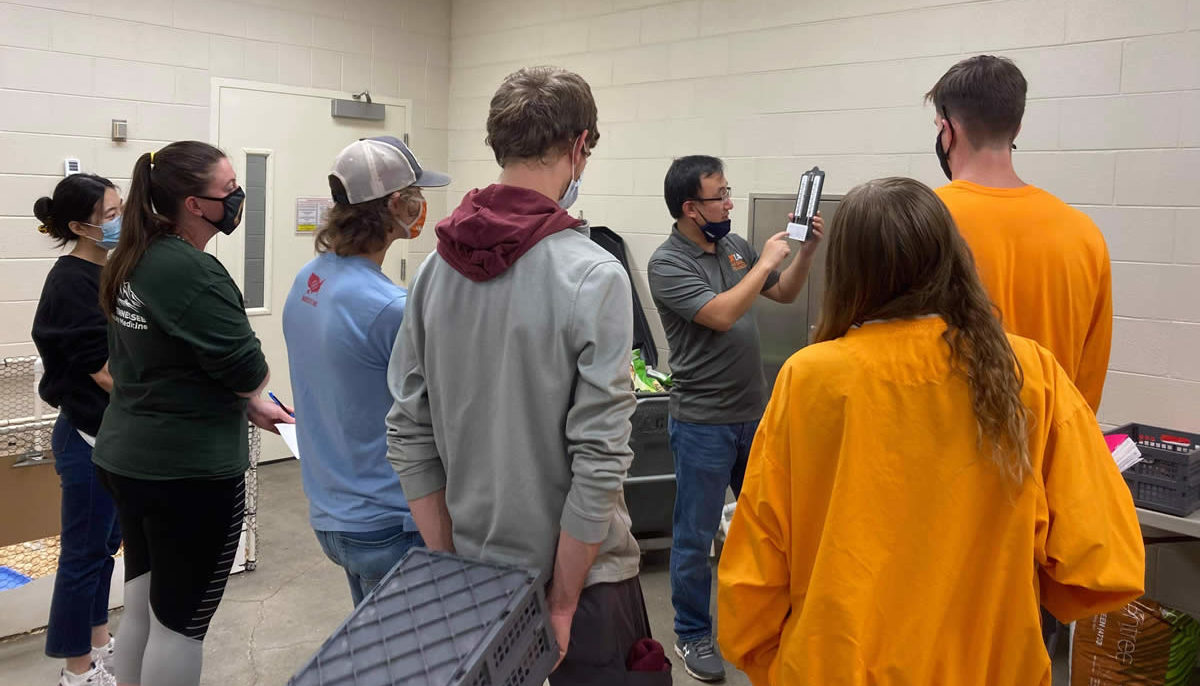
<point>1168,478</point>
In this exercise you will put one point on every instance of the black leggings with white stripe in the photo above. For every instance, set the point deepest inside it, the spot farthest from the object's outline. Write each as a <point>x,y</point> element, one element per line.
<point>181,536</point>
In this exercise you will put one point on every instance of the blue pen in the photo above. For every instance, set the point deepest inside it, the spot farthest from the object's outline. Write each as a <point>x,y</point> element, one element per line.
<point>280,404</point>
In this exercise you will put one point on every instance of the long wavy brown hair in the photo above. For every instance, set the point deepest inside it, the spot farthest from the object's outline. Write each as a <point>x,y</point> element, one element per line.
<point>161,182</point>
<point>894,252</point>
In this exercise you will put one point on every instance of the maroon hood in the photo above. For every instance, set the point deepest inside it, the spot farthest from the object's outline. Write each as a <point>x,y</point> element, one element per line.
<point>494,226</point>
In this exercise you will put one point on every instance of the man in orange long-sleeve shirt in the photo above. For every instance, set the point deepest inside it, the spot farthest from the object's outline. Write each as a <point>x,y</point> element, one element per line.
<point>1044,263</point>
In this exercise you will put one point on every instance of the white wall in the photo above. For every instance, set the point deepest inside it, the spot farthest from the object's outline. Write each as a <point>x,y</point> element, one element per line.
<point>775,86</point>
<point>67,67</point>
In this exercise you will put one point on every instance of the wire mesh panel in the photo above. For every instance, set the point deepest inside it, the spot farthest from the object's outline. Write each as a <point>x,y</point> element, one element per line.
<point>26,429</point>
<point>37,558</point>
<point>19,401</point>
<point>250,525</point>
<point>27,443</point>
<point>31,559</point>
<point>23,562</point>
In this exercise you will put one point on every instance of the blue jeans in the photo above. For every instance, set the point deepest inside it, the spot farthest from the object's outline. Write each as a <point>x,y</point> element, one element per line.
<point>708,459</point>
<point>367,556</point>
<point>90,537</point>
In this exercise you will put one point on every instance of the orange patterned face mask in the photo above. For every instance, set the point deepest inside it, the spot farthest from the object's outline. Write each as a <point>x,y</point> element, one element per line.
<point>414,229</point>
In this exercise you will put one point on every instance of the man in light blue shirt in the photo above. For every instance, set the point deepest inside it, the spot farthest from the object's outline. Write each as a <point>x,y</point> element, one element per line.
<point>340,322</point>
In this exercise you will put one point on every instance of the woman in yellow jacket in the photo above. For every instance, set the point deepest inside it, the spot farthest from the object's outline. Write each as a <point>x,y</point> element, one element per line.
<point>920,481</point>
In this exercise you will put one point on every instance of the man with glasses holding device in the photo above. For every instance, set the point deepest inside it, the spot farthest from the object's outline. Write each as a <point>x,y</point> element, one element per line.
<point>704,280</point>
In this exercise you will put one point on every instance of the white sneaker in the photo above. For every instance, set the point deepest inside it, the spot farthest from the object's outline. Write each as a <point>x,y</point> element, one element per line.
<point>103,655</point>
<point>96,676</point>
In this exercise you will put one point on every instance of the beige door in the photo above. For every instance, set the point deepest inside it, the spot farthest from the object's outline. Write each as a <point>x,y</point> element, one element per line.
<point>282,142</point>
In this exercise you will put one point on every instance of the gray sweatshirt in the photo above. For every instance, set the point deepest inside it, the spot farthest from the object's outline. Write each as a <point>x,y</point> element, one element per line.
<point>513,394</point>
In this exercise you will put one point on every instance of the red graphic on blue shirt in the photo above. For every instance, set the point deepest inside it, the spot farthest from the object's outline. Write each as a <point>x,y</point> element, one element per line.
<point>314,285</point>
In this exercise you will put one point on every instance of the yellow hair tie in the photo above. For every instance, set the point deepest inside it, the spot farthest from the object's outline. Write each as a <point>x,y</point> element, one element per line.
<point>151,157</point>
<point>42,228</point>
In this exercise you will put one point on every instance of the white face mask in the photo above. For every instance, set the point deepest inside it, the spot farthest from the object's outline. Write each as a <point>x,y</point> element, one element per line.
<point>572,193</point>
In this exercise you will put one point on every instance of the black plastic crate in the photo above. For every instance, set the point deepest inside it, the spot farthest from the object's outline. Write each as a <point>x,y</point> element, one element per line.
<point>648,439</point>
<point>441,620</point>
<point>650,486</point>
<point>1169,456</point>
<point>1178,499</point>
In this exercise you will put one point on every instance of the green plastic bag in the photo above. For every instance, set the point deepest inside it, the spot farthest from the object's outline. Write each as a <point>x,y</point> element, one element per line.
<point>642,382</point>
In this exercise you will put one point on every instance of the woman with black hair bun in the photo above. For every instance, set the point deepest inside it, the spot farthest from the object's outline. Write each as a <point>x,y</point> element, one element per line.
<point>70,332</point>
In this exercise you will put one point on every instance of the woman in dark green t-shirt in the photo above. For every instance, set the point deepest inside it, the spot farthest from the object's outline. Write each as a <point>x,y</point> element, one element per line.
<point>187,371</point>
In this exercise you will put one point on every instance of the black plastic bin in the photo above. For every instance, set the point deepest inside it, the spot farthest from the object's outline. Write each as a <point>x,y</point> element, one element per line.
<point>441,620</point>
<point>650,486</point>
<point>1168,477</point>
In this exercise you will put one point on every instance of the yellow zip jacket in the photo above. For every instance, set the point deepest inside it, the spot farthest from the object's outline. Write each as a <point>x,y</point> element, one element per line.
<point>1045,265</point>
<point>875,543</point>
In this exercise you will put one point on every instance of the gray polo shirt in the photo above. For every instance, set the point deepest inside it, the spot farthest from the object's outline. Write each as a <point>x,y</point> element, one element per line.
<point>718,375</point>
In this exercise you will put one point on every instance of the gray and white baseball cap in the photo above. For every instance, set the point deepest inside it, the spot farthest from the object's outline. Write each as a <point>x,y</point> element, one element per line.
<point>371,168</point>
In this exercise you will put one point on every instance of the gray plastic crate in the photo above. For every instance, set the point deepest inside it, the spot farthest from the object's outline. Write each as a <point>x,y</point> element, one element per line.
<point>1168,478</point>
<point>441,620</point>
<point>1177,499</point>
<point>1167,454</point>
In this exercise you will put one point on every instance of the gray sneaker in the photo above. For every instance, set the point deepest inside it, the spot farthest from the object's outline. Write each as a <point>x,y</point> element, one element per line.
<point>702,659</point>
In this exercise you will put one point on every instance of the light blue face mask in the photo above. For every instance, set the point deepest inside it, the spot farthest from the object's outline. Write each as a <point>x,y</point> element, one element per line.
<point>110,233</point>
<point>572,193</point>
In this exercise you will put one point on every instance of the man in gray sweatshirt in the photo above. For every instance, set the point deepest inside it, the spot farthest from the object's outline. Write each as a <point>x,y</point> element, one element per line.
<point>510,429</point>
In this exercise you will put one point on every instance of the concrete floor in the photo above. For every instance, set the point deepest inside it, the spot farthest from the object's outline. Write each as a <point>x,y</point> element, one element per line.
<point>274,618</point>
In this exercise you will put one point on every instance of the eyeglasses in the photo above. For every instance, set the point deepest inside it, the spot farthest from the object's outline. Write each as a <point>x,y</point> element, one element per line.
<point>722,196</point>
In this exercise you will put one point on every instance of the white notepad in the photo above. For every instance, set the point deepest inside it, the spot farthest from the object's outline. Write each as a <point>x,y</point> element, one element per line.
<point>288,433</point>
<point>1124,451</point>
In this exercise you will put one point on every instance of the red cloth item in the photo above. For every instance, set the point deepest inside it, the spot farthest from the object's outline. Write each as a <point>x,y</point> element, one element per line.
<point>647,655</point>
<point>494,226</point>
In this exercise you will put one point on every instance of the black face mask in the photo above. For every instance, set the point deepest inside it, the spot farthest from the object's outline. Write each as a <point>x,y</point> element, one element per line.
<point>942,153</point>
<point>232,215</point>
<point>714,231</point>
